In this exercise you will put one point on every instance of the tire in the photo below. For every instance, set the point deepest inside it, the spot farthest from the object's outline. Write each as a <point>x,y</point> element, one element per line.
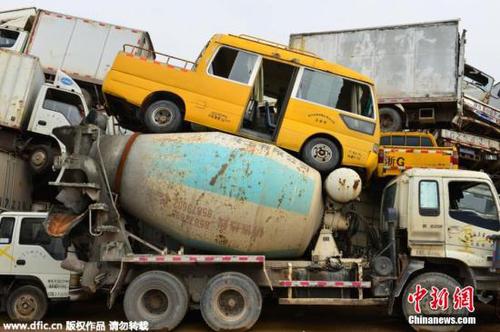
<point>390,119</point>
<point>322,154</point>
<point>41,158</point>
<point>427,280</point>
<point>231,302</point>
<point>157,297</point>
<point>26,304</point>
<point>87,96</point>
<point>163,116</point>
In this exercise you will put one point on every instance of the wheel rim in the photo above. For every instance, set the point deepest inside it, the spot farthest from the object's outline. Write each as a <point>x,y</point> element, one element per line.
<point>322,153</point>
<point>386,121</point>
<point>162,116</point>
<point>38,158</point>
<point>155,302</point>
<point>231,304</point>
<point>25,305</point>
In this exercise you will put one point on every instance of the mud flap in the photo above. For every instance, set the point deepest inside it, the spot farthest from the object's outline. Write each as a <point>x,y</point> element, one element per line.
<point>413,265</point>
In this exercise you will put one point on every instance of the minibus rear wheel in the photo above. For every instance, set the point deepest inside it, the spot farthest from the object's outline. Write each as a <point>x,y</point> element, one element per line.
<point>321,153</point>
<point>163,116</point>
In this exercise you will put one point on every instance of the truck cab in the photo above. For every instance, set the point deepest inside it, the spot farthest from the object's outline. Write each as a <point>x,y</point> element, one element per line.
<point>14,28</point>
<point>31,275</point>
<point>446,222</point>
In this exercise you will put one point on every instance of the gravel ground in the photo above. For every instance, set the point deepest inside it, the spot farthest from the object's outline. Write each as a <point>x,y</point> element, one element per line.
<point>275,318</point>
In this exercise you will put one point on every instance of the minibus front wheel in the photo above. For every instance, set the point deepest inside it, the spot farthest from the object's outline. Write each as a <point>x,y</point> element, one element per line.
<point>321,153</point>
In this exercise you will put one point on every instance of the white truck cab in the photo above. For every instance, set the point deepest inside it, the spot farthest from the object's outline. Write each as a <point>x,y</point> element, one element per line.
<point>447,222</point>
<point>30,271</point>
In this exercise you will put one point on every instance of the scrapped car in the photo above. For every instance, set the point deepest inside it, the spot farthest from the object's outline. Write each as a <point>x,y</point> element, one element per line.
<point>252,88</point>
<point>404,150</point>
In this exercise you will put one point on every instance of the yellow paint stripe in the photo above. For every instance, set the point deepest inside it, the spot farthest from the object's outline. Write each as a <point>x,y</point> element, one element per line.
<point>3,252</point>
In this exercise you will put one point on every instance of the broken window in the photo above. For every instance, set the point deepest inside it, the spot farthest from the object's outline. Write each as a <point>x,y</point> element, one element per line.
<point>477,78</point>
<point>233,64</point>
<point>68,104</point>
<point>473,203</point>
<point>6,228</point>
<point>33,233</point>
<point>336,92</point>
<point>8,38</point>
<point>428,198</point>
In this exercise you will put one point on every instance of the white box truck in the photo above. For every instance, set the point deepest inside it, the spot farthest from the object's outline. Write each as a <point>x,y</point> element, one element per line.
<point>82,48</point>
<point>30,109</point>
<point>420,73</point>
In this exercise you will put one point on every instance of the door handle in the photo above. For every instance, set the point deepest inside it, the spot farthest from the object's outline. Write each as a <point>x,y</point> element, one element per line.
<point>453,229</point>
<point>21,262</point>
<point>42,123</point>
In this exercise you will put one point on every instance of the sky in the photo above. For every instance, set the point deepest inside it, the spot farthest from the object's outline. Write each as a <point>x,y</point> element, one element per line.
<point>182,28</point>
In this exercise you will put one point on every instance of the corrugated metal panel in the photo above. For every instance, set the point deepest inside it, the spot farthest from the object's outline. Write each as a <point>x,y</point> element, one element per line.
<point>84,49</point>
<point>413,61</point>
<point>20,80</point>
<point>15,184</point>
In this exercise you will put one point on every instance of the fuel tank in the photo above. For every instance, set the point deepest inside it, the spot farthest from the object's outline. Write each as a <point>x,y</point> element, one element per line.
<point>217,192</point>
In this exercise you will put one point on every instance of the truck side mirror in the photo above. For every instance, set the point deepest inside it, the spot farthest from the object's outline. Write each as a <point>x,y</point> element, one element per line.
<point>391,215</point>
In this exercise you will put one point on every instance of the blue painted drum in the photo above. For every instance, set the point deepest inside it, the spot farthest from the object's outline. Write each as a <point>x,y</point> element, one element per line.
<point>222,193</point>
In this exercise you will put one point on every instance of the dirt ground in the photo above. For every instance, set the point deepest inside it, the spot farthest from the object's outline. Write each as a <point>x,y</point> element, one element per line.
<point>275,318</point>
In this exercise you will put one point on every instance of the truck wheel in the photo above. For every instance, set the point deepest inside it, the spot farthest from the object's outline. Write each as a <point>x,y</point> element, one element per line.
<point>427,280</point>
<point>231,302</point>
<point>26,303</point>
<point>321,153</point>
<point>163,116</point>
<point>390,119</point>
<point>157,297</point>
<point>41,158</point>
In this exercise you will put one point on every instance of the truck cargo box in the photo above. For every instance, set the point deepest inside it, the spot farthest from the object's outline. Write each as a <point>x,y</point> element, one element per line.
<point>409,63</point>
<point>20,81</point>
<point>83,48</point>
<point>15,183</point>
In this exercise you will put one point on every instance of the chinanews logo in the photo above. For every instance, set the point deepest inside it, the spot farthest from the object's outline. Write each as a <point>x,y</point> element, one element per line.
<point>438,306</point>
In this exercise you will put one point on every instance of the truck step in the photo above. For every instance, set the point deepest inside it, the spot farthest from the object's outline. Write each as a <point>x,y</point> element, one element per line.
<point>324,284</point>
<point>333,301</point>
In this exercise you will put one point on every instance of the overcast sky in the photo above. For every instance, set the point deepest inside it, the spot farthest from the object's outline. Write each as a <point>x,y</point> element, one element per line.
<point>182,28</point>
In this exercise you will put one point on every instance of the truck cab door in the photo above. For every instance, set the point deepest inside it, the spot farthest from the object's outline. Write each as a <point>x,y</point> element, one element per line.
<point>426,235</point>
<point>56,108</point>
<point>39,255</point>
<point>224,89</point>
<point>6,237</point>
<point>472,214</point>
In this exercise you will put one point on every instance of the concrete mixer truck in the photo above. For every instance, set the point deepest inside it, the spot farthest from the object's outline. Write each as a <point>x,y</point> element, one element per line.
<point>215,222</point>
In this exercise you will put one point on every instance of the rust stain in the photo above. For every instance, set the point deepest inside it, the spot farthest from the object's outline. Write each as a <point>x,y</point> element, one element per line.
<point>356,184</point>
<point>58,224</point>
<point>219,173</point>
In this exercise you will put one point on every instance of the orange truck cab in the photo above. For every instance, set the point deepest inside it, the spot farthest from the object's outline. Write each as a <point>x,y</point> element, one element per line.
<point>253,88</point>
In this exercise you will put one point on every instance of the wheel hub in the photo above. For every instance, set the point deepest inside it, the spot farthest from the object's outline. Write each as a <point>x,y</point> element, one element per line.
<point>38,158</point>
<point>231,303</point>
<point>162,116</point>
<point>322,153</point>
<point>25,305</point>
<point>155,301</point>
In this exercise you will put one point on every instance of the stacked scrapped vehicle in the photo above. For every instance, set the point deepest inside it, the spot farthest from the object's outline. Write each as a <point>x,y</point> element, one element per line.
<point>423,83</point>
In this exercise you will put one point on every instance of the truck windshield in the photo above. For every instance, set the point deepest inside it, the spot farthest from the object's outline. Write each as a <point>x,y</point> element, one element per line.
<point>33,233</point>
<point>473,203</point>
<point>478,78</point>
<point>66,103</point>
<point>8,38</point>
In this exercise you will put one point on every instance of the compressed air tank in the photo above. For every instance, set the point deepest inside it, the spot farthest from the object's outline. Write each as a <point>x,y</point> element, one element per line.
<point>217,192</point>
